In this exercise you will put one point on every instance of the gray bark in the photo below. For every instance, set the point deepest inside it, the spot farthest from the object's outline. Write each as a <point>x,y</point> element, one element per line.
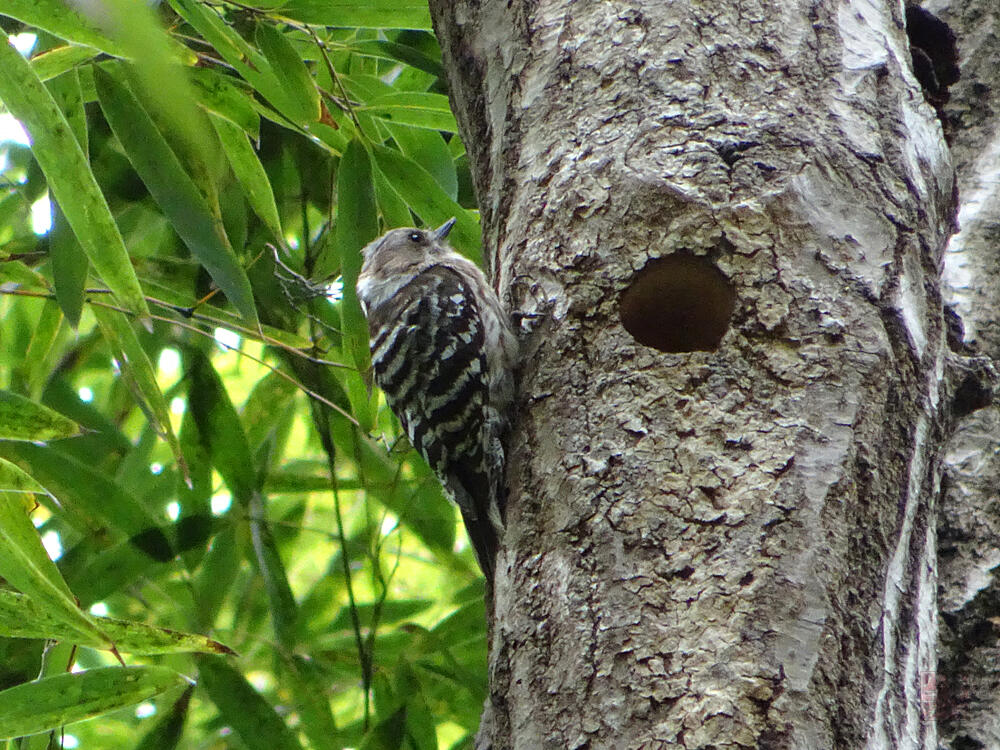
<point>730,548</point>
<point>969,519</point>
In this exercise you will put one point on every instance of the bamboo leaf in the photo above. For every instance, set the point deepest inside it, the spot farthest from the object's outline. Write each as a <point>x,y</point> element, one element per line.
<point>22,617</point>
<point>139,374</point>
<point>52,702</point>
<point>174,191</point>
<point>58,60</point>
<point>69,262</point>
<point>69,177</point>
<point>417,108</point>
<point>24,562</point>
<point>427,199</point>
<point>249,171</point>
<point>23,419</point>
<point>428,149</point>
<point>357,225</point>
<point>375,14</point>
<point>226,97</point>
<point>62,20</point>
<point>243,708</point>
<point>85,492</point>
<point>291,73</point>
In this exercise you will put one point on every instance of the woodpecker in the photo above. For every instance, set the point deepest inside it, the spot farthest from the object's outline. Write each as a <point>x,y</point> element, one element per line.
<point>443,352</point>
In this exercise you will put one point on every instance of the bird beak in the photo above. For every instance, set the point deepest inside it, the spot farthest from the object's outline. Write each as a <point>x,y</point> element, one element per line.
<point>442,231</point>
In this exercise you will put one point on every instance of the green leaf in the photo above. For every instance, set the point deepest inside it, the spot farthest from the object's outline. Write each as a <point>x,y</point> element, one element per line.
<point>357,225</point>
<point>401,53</point>
<point>22,617</point>
<point>220,430</point>
<point>311,687</point>
<point>227,97</point>
<point>375,14</point>
<point>424,195</point>
<point>416,108</point>
<point>174,191</point>
<point>292,75</point>
<point>58,60</point>
<point>157,71</point>
<point>60,19</point>
<point>23,419</point>
<point>249,171</point>
<point>52,702</point>
<point>85,492</point>
<point>428,149</point>
<point>69,176</point>
<point>24,562</point>
<point>139,375</point>
<point>253,66</point>
<point>243,708</point>
<point>69,262</point>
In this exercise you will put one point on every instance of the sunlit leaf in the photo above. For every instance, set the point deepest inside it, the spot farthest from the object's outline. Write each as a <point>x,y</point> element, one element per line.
<point>69,176</point>
<point>379,14</point>
<point>419,109</point>
<point>23,617</point>
<point>24,562</point>
<point>52,702</point>
<point>62,20</point>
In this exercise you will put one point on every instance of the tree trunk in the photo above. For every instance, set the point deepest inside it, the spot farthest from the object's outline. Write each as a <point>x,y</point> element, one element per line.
<point>708,545</point>
<point>969,517</point>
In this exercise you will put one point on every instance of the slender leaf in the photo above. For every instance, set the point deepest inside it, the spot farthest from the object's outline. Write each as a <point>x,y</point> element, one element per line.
<point>249,171</point>
<point>428,149</point>
<point>377,14</point>
<point>69,176</point>
<point>400,52</point>
<point>139,374</point>
<point>26,565</point>
<point>58,60</point>
<point>62,20</point>
<point>243,708</point>
<point>419,109</point>
<point>251,64</point>
<point>69,262</point>
<point>22,617</point>
<point>169,728</point>
<point>23,419</point>
<point>85,491</point>
<point>428,200</point>
<point>52,702</point>
<point>220,430</point>
<point>292,75</point>
<point>226,97</point>
<point>357,225</point>
<point>174,191</point>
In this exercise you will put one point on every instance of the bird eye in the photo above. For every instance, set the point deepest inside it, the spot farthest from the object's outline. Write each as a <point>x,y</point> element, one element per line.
<point>416,237</point>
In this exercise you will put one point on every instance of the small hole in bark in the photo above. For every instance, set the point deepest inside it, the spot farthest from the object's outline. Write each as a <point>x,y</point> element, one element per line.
<point>679,303</point>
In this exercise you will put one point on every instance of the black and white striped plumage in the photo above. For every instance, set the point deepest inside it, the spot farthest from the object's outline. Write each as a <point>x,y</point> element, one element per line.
<point>442,351</point>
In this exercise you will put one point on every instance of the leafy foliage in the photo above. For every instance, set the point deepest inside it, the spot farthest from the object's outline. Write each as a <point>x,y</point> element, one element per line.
<point>246,555</point>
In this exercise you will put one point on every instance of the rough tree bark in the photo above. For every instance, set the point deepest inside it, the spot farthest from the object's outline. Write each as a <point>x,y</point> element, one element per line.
<point>731,548</point>
<point>969,518</point>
